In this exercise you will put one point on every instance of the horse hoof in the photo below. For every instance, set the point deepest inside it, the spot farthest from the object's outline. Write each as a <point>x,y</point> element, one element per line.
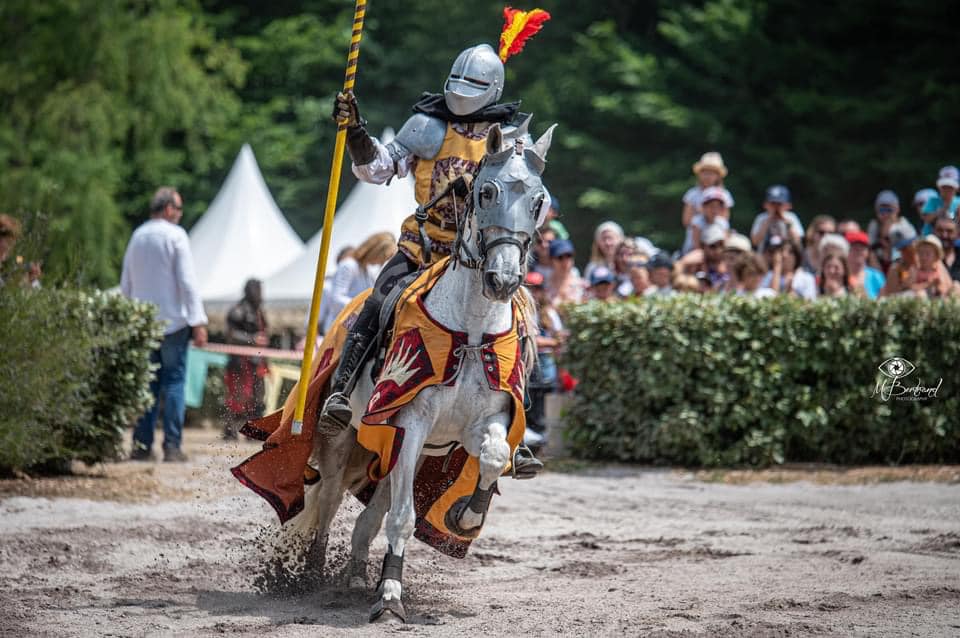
<point>388,610</point>
<point>452,519</point>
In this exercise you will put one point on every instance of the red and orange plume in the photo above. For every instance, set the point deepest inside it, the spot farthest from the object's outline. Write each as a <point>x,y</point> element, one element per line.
<point>518,27</point>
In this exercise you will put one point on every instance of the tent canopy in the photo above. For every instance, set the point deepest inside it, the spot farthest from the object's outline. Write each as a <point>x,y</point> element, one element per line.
<point>242,235</point>
<point>369,209</point>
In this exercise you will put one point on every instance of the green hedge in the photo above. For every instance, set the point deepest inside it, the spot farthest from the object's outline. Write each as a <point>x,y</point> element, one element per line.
<point>76,372</point>
<point>724,380</point>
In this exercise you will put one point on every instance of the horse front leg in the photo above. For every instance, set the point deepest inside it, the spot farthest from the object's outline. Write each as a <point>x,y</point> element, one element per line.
<point>401,518</point>
<point>489,443</point>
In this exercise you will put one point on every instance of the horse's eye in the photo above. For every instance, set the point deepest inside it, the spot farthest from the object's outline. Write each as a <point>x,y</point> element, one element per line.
<point>536,204</point>
<point>489,195</point>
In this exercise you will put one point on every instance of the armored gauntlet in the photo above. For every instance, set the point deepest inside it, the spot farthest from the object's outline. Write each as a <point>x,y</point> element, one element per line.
<point>359,143</point>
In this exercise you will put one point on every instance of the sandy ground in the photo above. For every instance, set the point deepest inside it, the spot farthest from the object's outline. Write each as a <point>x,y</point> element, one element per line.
<point>156,549</point>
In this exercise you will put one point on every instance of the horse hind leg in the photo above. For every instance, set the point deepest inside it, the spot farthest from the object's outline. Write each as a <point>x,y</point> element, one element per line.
<point>321,502</point>
<point>364,531</point>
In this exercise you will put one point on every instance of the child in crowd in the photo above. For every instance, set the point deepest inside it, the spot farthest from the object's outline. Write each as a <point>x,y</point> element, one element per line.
<point>919,270</point>
<point>920,199</point>
<point>749,270</point>
<point>834,276</point>
<point>945,202</point>
<point>639,278</point>
<point>888,219</point>
<point>660,269</point>
<point>625,254</point>
<point>710,171</point>
<point>602,284</point>
<point>715,211</point>
<point>863,278</point>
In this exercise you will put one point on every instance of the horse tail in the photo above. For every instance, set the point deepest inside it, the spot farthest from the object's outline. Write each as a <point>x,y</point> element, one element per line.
<point>528,313</point>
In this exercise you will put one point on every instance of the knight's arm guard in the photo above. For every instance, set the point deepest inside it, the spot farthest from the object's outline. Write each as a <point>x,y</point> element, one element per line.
<point>420,136</point>
<point>362,147</point>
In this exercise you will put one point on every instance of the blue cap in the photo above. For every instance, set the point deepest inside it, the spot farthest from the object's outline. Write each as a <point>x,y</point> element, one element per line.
<point>660,260</point>
<point>778,194</point>
<point>901,236</point>
<point>903,243</point>
<point>601,275</point>
<point>560,247</point>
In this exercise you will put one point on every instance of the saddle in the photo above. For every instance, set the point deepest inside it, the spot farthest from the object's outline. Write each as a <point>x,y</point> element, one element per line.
<point>388,312</point>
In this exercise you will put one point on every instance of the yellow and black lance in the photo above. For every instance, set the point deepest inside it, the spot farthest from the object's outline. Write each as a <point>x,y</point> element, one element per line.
<point>333,189</point>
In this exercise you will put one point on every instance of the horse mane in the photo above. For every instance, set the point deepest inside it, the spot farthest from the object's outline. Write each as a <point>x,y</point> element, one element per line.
<point>528,313</point>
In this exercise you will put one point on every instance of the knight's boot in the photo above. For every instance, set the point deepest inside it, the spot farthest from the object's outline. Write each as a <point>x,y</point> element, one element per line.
<point>525,465</point>
<point>336,414</point>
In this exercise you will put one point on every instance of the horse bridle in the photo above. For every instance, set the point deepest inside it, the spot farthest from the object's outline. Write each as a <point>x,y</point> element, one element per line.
<point>464,255</point>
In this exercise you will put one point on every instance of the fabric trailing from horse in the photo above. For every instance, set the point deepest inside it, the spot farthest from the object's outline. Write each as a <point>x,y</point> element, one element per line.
<point>422,354</point>
<point>279,470</point>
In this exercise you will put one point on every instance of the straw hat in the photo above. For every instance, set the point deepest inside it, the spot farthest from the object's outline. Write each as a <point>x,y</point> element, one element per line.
<point>934,241</point>
<point>711,160</point>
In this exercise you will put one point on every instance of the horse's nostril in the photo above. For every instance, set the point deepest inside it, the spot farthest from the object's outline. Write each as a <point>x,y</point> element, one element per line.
<point>493,281</point>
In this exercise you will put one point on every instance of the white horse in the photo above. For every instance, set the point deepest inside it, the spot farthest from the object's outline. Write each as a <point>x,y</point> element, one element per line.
<point>473,297</point>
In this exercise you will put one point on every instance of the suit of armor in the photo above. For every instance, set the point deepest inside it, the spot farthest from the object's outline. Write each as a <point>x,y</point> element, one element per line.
<point>444,140</point>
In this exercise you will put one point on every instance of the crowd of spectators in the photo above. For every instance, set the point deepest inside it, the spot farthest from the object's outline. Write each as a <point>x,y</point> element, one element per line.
<point>778,256</point>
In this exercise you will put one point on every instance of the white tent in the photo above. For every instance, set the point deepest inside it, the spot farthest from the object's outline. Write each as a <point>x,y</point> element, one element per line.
<point>369,209</point>
<point>242,235</point>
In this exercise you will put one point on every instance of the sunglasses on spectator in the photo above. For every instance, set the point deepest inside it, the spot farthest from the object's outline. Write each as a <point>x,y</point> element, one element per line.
<point>716,244</point>
<point>564,256</point>
<point>885,210</point>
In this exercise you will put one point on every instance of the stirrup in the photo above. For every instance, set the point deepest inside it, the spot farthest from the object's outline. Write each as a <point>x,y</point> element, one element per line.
<point>335,417</point>
<point>525,465</point>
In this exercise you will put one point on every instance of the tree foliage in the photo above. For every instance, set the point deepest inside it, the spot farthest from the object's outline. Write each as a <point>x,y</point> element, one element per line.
<point>104,101</point>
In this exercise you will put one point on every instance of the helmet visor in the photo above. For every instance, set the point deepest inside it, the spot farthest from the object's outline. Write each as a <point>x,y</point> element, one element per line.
<point>465,87</point>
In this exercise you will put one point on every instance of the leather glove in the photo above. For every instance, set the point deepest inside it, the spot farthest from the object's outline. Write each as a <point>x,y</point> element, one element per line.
<point>360,145</point>
<point>346,109</point>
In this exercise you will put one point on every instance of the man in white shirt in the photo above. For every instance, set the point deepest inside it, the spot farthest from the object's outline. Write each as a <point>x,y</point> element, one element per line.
<point>158,268</point>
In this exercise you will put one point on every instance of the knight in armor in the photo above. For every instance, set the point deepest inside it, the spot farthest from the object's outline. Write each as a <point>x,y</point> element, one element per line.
<point>444,140</point>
